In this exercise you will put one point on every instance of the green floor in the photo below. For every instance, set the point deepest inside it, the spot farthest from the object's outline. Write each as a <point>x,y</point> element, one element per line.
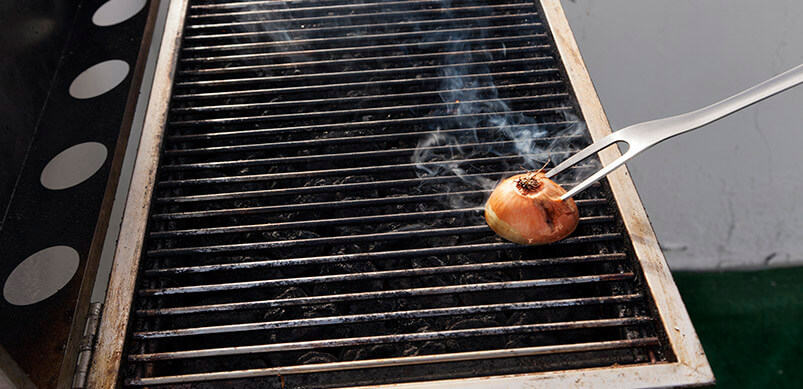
<point>750,324</point>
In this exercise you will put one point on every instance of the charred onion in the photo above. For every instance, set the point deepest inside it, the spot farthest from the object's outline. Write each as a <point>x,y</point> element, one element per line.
<point>527,209</point>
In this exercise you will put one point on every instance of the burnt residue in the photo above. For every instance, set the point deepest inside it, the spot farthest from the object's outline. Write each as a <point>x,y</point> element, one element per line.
<point>320,181</point>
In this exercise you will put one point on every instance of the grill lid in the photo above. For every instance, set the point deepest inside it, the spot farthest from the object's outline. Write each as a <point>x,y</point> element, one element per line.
<point>317,212</point>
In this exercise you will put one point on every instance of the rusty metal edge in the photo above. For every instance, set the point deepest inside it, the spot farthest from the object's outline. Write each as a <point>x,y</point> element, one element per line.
<point>105,366</point>
<point>96,246</point>
<point>631,376</point>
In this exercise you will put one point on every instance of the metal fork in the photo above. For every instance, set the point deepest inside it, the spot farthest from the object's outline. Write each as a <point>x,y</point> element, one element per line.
<point>640,137</point>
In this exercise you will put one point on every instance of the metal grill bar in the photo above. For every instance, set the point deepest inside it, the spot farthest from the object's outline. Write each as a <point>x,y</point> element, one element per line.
<point>371,49</point>
<point>321,173</point>
<point>352,61</point>
<point>313,241</point>
<point>334,188</point>
<point>402,361</point>
<point>238,4</point>
<point>317,206</point>
<point>328,205</point>
<point>376,255</point>
<point>277,131</point>
<point>384,316</point>
<point>415,337</point>
<point>334,7</point>
<point>351,140</point>
<point>354,277</point>
<point>296,9</point>
<point>334,156</point>
<point>321,223</point>
<point>307,115</point>
<point>347,187</point>
<point>306,77</point>
<point>294,103</point>
<point>342,221</point>
<point>413,292</point>
<point>335,172</point>
<point>384,136</point>
<point>337,39</point>
<point>524,17</point>
<point>387,294</point>
<point>375,15</point>
<point>324,205</point>
<point>375,123</point>
<point>397,293</point>
<point>310,88</point>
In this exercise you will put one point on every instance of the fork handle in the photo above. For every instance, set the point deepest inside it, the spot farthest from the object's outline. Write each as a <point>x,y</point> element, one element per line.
<point>642,136</point>
<point>744,99</point>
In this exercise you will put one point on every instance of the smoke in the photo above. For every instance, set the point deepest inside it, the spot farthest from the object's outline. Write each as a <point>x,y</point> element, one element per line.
<point>478,134</point>
<point>472,103</point>
<point>255,22</point>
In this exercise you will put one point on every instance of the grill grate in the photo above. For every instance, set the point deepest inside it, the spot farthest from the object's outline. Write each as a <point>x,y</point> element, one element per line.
<point>317,219</point>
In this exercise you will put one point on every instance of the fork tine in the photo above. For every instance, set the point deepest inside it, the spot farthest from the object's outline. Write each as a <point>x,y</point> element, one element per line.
<point>583,154</point>
<point>598,175</point>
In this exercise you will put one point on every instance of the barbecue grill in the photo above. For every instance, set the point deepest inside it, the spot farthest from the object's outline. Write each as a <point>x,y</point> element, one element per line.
<point>306,209</point>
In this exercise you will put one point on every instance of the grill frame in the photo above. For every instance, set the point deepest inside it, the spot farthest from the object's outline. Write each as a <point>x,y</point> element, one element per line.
<point>691,367</point>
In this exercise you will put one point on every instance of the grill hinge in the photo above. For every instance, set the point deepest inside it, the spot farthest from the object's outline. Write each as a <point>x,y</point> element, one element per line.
<point>87,346</point>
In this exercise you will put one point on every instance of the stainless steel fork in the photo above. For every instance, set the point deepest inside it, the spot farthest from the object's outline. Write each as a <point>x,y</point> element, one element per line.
<point>640,137</point>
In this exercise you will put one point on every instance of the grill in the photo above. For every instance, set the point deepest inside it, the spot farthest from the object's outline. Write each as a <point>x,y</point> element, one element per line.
<point>315,215</point>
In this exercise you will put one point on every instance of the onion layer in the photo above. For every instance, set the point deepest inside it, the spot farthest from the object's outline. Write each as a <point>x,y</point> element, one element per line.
<point>527,209</point>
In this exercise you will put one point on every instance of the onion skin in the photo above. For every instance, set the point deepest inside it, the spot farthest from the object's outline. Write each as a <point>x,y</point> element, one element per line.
<point>527,209</point>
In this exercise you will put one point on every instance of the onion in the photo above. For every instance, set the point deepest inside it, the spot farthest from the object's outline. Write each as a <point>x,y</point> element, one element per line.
<point>527,209</point>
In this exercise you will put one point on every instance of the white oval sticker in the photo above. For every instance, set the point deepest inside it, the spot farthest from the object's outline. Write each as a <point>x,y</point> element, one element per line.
<point>41,275</point>
<point>73,165</point>
<point>99,79</point>
<point>116,11</point>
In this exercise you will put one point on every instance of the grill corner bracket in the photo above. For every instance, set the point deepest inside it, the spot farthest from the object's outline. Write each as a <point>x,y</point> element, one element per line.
<point>87,347</point>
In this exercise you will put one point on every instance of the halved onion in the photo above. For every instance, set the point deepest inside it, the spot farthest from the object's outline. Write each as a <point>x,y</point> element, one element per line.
<point>527,209</point>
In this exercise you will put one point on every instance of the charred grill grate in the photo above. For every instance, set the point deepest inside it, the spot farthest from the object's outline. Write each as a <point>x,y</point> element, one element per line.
<point>317,219</point>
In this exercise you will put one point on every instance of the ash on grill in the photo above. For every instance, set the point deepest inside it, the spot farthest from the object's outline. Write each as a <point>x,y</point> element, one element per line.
<point>318,222</point>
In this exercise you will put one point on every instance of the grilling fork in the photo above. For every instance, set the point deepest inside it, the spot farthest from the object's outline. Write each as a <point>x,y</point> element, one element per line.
<point>641,136</point>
